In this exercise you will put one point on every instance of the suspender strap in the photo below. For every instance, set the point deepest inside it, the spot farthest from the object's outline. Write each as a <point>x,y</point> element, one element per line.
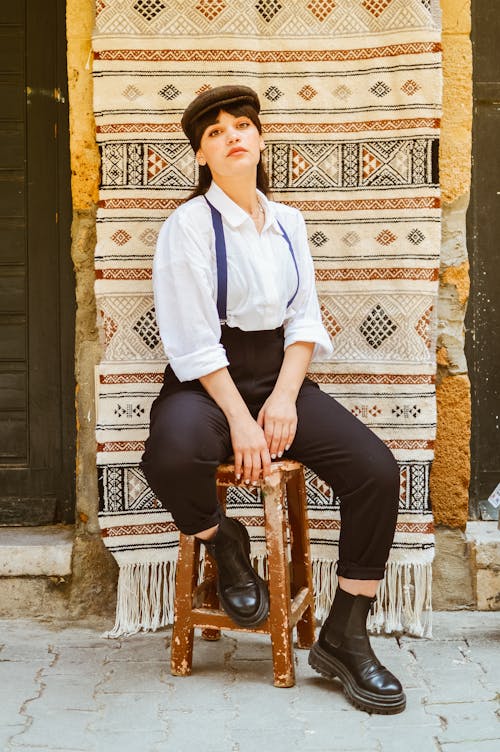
<point>293,259</point>
<point>221,256</point>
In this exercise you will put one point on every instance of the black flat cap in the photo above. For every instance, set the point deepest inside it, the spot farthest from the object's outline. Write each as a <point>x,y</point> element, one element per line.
<point>218,97</point>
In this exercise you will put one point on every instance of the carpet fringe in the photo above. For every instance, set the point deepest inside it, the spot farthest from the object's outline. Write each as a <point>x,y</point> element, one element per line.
<point>145,596</point>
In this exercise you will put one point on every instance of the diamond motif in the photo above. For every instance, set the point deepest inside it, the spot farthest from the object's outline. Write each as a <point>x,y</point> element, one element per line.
<point>307,93</point>
<point>415,236</point>
<point>149,9</point>
<point>377,327</point>
<point>321,8</point>
<point>99,7</point>
<point>268,9</point>
<point>380,89</point>
<point>169,92</point>
<point>121,237</point>
<point>131,92</point>
<point>342,92</point>
<point>351,239</point>
<point>211,8</point>
<point>318,238</point>
<point>149,238</point>
<point>376,7</point>
<point>147,329</point>
<point>386,237</point>
<point>273,93</point>
<point>410,87</point>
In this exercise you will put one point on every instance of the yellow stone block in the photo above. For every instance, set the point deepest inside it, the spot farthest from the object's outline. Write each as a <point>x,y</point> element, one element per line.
<point>456,16</point>
<point>456,127</point>
<point>80,17</point>
<point>458,276</point>
<point>488,590</point>
<point>450,476</point>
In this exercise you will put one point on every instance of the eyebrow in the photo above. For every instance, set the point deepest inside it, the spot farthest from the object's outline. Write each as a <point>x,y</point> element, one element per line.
<point>236,117</point>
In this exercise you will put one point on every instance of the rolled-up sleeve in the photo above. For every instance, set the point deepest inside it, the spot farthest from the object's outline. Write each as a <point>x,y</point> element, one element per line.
<point>303,322</point>
<point>184,292</point>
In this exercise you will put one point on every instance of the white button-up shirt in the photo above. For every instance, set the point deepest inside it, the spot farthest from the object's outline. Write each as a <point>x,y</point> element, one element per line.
<point>261,279</point>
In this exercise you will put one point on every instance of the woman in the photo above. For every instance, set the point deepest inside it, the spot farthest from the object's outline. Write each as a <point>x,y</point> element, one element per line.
<point>239,319</point>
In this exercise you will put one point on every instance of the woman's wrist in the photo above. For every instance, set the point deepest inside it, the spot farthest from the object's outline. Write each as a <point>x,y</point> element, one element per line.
<point>235,413</point>
<point>223,390</point>
<point>294,367</point>
<point>287,390</point>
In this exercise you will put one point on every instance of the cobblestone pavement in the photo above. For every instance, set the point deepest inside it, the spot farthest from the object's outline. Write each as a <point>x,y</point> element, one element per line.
<point>64,687</point>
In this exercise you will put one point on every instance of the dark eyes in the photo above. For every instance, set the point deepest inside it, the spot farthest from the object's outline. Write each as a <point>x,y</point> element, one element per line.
<point>242,124</point>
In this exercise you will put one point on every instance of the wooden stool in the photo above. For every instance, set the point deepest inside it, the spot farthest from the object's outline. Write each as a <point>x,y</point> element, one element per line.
<point>290,586</point>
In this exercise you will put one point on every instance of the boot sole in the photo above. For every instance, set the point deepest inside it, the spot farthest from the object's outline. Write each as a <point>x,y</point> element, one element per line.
<point>263,611</point>
<point>329,667</point>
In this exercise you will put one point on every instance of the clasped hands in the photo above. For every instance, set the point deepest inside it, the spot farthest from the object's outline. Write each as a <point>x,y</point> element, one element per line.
<point>256,442</point>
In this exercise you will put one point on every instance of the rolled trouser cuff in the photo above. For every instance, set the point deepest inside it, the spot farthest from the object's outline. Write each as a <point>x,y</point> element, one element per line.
<point>355,572</point>
<point>198,526</point>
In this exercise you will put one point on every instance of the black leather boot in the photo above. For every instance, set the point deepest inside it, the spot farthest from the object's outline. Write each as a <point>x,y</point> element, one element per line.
<point>343,650</point>
<point>243,595</point>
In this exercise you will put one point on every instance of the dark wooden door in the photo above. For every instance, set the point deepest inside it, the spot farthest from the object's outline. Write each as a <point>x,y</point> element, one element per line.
<point>37,425</point>
<point>483,317</point>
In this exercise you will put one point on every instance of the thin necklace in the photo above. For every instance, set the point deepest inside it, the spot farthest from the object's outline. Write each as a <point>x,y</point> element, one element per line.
<point>258,210</point>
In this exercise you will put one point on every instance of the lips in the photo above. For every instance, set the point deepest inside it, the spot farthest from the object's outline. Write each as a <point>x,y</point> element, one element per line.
<point>236,150</point>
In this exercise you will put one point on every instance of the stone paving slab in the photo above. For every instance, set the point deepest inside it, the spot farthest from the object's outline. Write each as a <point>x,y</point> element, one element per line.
<point>63,687</point>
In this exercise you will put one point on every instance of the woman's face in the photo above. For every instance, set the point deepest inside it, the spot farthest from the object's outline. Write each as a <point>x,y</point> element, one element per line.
<point>231,146</point>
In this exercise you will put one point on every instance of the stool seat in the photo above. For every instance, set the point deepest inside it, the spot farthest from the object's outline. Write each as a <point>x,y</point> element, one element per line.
<point>290,582</point>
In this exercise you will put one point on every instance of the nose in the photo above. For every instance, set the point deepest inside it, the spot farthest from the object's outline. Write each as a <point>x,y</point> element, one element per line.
<point>232,135</point>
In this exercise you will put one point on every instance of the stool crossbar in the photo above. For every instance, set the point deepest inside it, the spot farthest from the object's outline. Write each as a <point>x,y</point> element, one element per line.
<point>290,583</point>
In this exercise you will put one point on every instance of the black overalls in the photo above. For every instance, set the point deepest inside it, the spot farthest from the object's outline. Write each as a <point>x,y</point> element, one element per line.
<point>189,437</point>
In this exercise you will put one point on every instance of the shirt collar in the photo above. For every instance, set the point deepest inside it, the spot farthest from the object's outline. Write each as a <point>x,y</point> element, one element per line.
<point>234,214</point>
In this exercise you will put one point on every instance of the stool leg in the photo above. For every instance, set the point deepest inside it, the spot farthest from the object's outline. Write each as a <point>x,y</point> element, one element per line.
<point>181,651</point>
<point>279,582</point>
<point>300,554</point>
<point>211,599</point>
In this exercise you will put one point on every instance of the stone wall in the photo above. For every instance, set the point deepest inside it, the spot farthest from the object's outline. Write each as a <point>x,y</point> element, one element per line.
<point>94,571</point>
<point>451,468</point>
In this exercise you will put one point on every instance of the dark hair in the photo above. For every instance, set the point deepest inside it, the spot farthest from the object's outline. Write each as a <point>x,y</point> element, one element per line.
<point>209,118</point>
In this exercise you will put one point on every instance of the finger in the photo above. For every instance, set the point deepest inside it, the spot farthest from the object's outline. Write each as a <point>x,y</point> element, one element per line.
<point>269,432</point>
<point>260,418</point>
<point>276,440</point>
<point>266,463</point>
<point>291,437</point>
<point>283,441</point>
<point>247,467</point>
<point>238,459</point>
<point>256,467</point>
<point>286,438</point>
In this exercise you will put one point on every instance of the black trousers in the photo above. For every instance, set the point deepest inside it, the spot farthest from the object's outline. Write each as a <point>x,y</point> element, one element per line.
<point>189,437</point>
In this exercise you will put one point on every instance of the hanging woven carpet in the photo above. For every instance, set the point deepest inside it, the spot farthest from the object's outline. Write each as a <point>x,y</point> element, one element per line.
<point>350,93</point>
